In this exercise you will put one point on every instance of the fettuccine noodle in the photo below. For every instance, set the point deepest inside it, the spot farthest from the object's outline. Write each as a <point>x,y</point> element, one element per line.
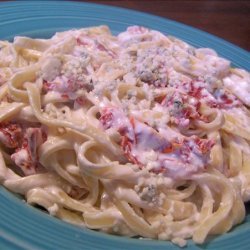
<point>138,134</point>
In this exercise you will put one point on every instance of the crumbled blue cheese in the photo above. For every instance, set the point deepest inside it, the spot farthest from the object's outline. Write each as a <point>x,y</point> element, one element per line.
<point>75,68</point>
<point>148,189</point>
<point>51,68</point>
<point>150,66</point>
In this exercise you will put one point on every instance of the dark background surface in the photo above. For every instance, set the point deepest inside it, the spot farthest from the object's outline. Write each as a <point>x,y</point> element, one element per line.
<point>228,19</point>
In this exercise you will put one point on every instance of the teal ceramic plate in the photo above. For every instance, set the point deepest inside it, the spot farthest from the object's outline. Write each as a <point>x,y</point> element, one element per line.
<point>25,227</point>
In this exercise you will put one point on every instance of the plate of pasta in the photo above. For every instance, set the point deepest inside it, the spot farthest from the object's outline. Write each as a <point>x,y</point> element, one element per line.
<point>120,130</point>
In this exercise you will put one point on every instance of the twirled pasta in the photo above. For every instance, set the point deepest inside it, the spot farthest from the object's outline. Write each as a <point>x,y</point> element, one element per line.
<point>138,135</point>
